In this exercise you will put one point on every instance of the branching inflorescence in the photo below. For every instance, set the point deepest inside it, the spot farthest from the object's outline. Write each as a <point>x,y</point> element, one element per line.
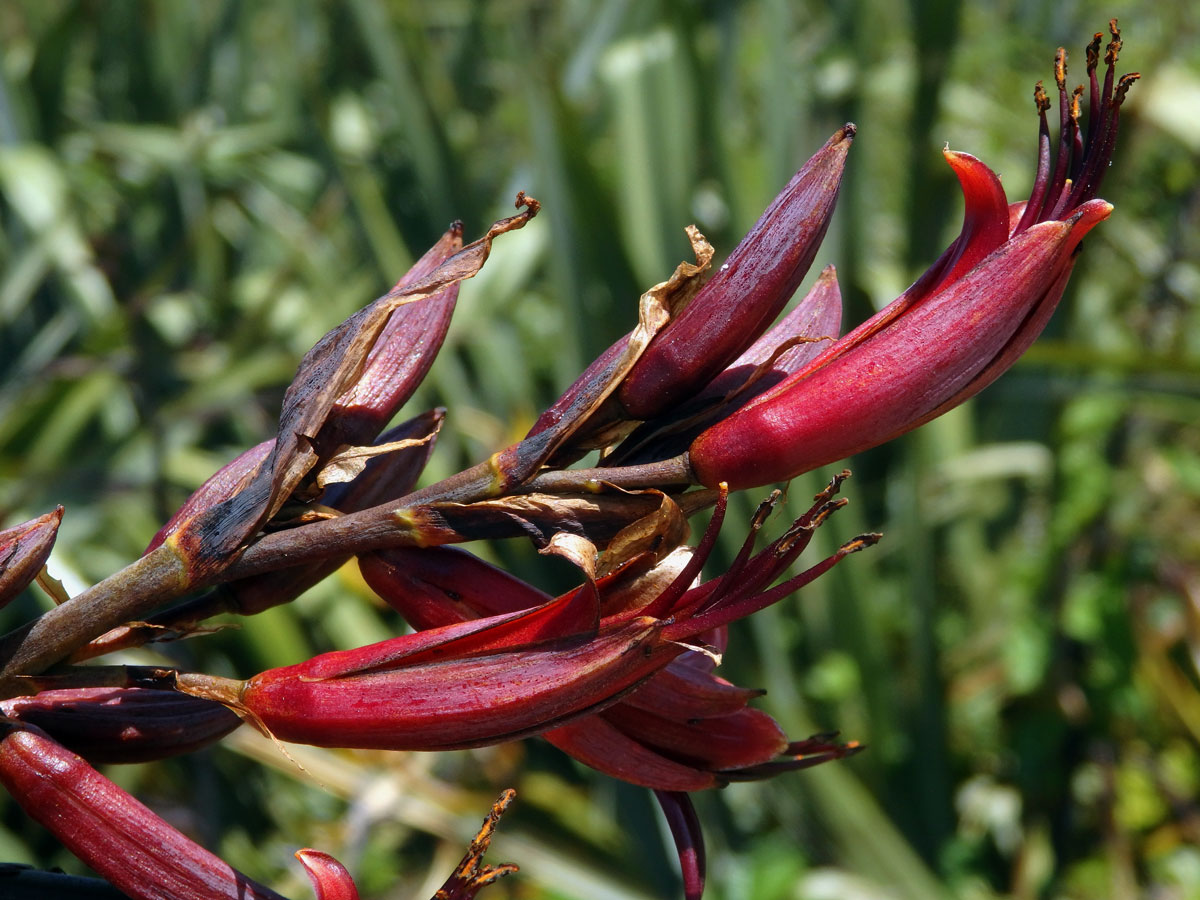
<point>707,394</point>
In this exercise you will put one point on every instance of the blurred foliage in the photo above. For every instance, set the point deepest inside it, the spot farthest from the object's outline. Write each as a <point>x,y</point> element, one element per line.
<point>191,194</point>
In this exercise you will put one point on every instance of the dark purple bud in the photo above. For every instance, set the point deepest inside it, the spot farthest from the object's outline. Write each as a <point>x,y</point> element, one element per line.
<point>741,300</point>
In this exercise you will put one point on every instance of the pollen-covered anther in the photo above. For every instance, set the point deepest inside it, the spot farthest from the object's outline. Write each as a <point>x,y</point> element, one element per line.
<point>1123,86</point>
<point>1113,50</point>
<point>1040,98</point>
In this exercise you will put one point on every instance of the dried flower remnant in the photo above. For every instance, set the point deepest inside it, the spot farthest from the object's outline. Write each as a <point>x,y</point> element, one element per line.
<point>471,876</point>
<point>331,880</point>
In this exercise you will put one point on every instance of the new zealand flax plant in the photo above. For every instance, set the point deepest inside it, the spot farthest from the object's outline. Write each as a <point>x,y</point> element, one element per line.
<point>711,391</point>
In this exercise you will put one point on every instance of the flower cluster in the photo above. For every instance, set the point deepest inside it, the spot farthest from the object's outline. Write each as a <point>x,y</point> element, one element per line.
<point>707,393</point>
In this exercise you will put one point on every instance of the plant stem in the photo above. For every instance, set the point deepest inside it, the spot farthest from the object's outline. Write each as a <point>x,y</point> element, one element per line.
<point>414,520</point>
<point>128,594</point>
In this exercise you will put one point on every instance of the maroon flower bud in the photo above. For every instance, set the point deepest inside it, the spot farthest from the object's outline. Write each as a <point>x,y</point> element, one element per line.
<point>24,549</point>
<point>746,294</point>
<point>220,486</point>
<point>124,725</point>
<point>793,342</point>
<point>126,843</point>
<point>397,362</point>
<point>951,334</point>
<point>401,356</point>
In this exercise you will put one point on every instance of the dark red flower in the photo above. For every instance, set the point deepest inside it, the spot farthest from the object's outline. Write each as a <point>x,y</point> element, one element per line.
<point>960,326</point>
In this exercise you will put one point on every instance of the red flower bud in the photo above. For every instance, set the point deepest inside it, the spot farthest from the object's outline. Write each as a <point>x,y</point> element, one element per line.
<point>24,549</point>
<point>401,356</point>
<point>126,843</point>
<point>746,294</point>
<point>441,698</point>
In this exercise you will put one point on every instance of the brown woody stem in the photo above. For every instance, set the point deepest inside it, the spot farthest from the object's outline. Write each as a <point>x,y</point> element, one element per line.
<point>674,472</point>
<point>141,586</point>
<point>160,576</point>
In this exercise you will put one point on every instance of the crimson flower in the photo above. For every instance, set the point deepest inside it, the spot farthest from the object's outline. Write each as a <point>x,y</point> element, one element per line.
<point>960,326</point>
<point>683,728</point>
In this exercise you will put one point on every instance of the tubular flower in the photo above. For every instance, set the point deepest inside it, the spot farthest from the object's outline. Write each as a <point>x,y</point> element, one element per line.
<point>143,856</point>
<point>133,848</point>
<point>486,680</point>
<point>960,326</point>
<point>682,729</point>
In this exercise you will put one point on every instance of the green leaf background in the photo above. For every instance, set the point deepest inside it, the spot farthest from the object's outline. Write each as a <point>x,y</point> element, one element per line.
<point>192,194</point>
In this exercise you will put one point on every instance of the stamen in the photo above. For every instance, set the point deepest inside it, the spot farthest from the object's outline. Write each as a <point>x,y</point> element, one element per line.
<point>1123,86</point>
<point>698,596</point>
<point>1076,136</point>
<point>689,839</point>
<point>817,749</point>
<point>746,578</point>
<point>728,610</point>
<point>1060,205</point>
<point>1100,155</point>
<point>1065,143</point>
<point>1093,62</point>
<point>661,605</point>
<point>1114,48</point>
<point>1038,195</point>
<point>777,557</point>
<point>1081,162</point>
<point>760,517</point>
